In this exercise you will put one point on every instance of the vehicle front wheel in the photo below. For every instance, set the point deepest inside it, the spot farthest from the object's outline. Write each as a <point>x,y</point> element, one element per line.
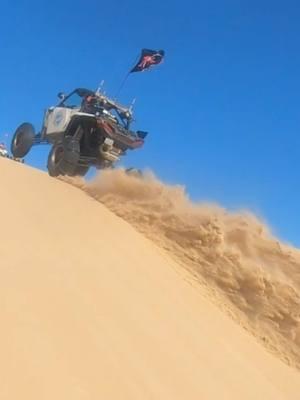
<point>23,140</point>
<point>81,170</point>
<point>55,160</point>
<point>64,157</point>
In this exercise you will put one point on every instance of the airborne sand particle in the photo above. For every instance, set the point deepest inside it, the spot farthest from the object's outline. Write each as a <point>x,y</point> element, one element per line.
<point>256,276</point>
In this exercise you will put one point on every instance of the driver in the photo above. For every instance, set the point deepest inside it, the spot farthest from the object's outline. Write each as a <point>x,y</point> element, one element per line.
<point>89,104</point>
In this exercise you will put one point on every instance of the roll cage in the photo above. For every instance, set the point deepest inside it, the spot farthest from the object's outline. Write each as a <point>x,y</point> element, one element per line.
<point>102,105</point>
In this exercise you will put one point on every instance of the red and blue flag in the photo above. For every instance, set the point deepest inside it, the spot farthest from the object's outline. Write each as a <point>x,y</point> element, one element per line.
<point>148,59</point>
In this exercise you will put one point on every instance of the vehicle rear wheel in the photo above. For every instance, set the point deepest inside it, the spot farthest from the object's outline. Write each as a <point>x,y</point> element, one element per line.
<point>23,140</point>
<point>134,172</point>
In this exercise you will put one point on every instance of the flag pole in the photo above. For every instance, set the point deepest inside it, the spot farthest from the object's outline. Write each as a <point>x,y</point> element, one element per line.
<point>125,79</point>
<point>122,84</point>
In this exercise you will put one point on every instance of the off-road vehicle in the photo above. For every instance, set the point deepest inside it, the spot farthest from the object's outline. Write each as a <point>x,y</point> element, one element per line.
<point>85,129</point>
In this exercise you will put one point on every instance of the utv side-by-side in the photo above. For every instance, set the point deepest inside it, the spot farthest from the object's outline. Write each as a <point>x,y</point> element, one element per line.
<point>85,129</point>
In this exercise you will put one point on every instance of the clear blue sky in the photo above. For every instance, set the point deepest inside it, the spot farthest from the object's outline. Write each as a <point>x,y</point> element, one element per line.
<point>222,111</point>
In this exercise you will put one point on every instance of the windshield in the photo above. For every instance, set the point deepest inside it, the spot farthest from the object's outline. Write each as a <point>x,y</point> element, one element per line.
<point>72,101</point>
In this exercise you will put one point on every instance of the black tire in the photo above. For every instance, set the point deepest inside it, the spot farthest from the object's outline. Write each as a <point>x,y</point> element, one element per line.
<point>64,157</point>
<point>23,140</point>
<point>55,160</point>
<point>134,172</point>
<point>81,170</point>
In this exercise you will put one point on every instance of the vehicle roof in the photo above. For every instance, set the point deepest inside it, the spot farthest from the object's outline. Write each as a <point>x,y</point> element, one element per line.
<point>82,92</point>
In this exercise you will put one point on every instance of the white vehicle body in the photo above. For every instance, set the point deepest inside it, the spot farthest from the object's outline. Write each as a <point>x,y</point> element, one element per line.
<point>57,119</point>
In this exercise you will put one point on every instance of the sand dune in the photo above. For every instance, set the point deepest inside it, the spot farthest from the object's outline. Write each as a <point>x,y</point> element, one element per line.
<point>245,270</point>
<point>91,309</point>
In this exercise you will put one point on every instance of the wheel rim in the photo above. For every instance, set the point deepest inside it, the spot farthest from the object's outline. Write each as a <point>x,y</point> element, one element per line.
<point>18,138</point>
<point>57,155</point>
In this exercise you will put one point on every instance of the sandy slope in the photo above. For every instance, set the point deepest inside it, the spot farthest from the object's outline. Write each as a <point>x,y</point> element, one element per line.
<point>233,256</point>
<point>90,309</point>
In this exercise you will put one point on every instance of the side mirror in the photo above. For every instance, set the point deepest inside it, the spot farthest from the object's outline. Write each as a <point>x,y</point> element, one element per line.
<point>61,95</point>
